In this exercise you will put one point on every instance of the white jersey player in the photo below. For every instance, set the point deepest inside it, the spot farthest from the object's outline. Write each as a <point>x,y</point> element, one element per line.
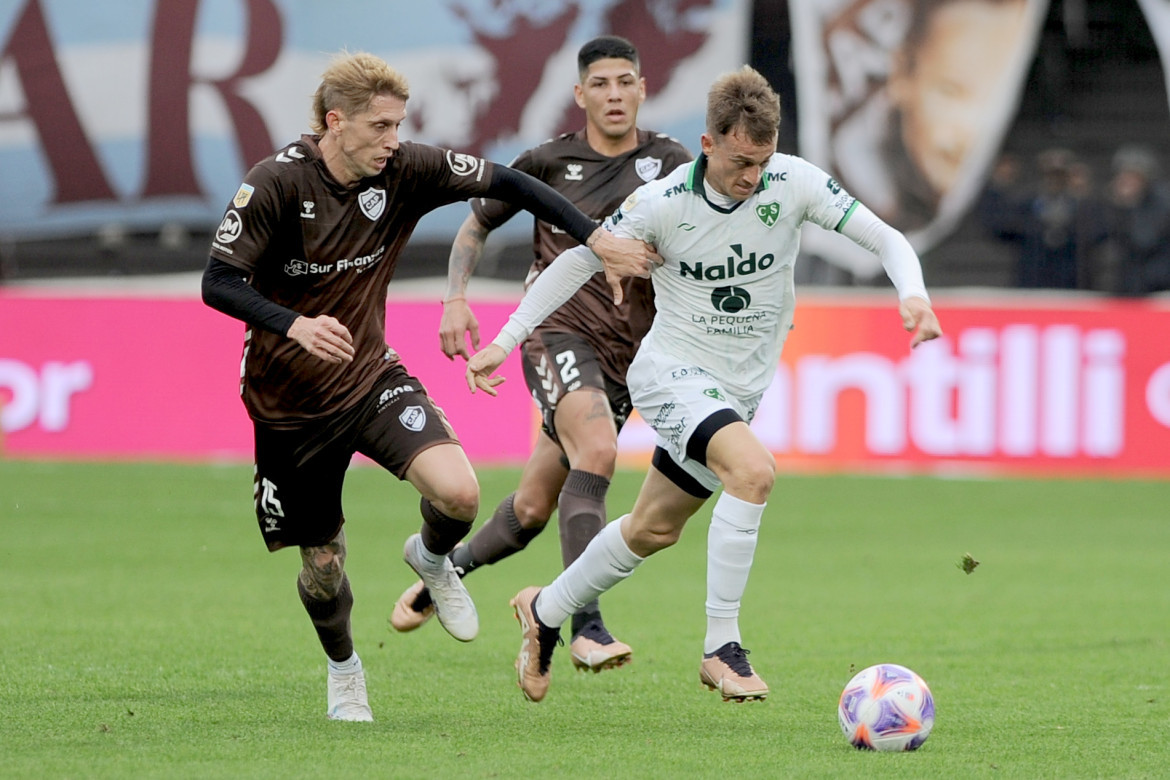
<point>728,229</point>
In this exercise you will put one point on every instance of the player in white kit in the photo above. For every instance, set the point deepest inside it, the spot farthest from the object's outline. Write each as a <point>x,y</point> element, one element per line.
<point>728,229</point>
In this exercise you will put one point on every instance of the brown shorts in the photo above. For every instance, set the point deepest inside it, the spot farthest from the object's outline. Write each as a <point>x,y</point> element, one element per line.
<point>556,363</point>
<point>300,471</point>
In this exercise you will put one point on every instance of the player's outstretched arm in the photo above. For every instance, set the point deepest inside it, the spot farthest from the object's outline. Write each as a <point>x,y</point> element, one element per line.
<point>482,365</point>
<point>458,321</point>
<point>918,318</point>
<point>622,257</point>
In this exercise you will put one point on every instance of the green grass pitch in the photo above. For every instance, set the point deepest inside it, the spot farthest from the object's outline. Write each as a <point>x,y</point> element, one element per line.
<point>146,632</point>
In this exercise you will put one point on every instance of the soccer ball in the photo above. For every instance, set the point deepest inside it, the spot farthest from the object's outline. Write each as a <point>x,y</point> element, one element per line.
<point>886,707</point>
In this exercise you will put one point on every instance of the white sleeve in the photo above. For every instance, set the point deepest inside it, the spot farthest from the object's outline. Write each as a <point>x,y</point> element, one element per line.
<point>555,285</point>
<point>898,258</point>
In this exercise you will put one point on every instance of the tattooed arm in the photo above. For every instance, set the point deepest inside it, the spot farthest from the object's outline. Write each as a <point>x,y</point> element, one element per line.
<point>458,320</point>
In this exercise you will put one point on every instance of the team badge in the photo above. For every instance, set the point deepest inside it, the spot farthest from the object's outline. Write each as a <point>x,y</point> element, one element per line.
<point>243,195</point>
<point>373,202</point>
<point>713,392</point>
<point>648,168</point>
<point>413,418</point>
<point>768,213</point>
<point>230,228</point>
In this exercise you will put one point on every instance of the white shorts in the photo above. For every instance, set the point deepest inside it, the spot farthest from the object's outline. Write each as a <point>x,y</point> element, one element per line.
<point>674,397</point>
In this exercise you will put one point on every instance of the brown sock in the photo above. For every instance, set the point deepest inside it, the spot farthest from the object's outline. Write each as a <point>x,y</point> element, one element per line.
<point>496,539</point>
<point>331,619</point>
<point>581,515</point>
<point>440,533</point>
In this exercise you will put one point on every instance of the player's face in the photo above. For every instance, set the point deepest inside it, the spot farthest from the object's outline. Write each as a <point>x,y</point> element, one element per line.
<point>366,140</point>
<point>944,102</point>
<point>610,94</point>
<point>735,163</point>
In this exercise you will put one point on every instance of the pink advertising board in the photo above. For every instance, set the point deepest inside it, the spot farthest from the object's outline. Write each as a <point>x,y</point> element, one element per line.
<point>1019,385</point>
<point>99,377</point>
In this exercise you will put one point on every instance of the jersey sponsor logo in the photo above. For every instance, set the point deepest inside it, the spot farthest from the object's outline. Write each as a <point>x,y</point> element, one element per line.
<point>464,164</point>
<point>768,213</point>
<point>648,168</point>
<point>771,176</point>
<point>413,418</point>
<point>290,154</point>
<point>373,202</point>
<point>307,207</point>
<point>243,195</point>
<point>573,172</point>
<point>734,266</point>
<point>730,300</point>
<point>388,394</point>
<point>230,228</point>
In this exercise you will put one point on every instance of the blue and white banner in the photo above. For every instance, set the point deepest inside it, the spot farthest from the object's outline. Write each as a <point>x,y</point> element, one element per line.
<point>143,112</point>
<point>906,103</point>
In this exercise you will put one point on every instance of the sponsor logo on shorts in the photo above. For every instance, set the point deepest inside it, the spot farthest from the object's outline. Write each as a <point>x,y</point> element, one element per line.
<point>413,418</point>
<point>713,392</point>
<point>389,394</point>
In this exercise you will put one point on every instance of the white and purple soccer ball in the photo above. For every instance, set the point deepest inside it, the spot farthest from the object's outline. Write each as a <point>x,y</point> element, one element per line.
<point>886,707</point>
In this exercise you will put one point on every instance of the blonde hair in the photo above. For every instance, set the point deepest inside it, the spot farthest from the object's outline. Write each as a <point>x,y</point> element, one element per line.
<point>349,84</point>
<point>746,100</point>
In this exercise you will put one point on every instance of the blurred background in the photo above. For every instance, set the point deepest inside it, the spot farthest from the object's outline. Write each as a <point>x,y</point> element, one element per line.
<point>1022,145</point>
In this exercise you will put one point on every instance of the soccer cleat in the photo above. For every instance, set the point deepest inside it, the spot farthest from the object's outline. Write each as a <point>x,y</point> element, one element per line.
<point>452,603</point>
<point>594,649</point>
<point>347,697</point>
<point>727,670</point>
<point>413,608</point>
<point>536,649</point>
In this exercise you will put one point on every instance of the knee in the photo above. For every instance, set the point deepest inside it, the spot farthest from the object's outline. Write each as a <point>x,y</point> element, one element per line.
<point>323,573</point>
<point>647,538</point>
<point>532,512</point>
<point>596,455</point>
<point>752,479</point>
<point>460,502</point>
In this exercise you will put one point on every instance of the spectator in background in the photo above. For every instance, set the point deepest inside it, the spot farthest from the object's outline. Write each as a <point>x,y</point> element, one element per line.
<point>1056,226</point>
<point>1138,218</point>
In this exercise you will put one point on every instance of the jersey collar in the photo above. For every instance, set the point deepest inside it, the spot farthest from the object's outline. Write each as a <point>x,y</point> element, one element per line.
<point>695,182</point>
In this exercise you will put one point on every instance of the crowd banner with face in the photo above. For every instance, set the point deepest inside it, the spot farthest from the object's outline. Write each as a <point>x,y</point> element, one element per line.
<point>1157,14</point>
<point>907,103</point>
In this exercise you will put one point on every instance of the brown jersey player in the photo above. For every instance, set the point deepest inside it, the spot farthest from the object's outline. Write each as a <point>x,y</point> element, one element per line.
<point>303,256</point>
<point>575,363</point>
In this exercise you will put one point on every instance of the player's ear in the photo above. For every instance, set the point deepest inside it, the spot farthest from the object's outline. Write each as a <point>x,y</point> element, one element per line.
<point>333,120</point>
<point>579,95</point>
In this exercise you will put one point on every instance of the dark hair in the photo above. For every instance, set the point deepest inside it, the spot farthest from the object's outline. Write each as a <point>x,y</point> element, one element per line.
<point>605,47</point>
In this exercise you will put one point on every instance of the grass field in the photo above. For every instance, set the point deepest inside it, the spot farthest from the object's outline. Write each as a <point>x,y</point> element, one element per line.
<point>147,633</point>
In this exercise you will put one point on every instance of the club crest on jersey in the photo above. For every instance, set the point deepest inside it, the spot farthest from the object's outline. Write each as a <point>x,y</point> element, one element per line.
<point>768,213</point>
<point>373,202</point>
<point>243,195</point>
<point>648,168</point>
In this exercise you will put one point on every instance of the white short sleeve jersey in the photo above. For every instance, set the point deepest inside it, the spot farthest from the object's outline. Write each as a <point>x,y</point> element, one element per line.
<point>725,295</point>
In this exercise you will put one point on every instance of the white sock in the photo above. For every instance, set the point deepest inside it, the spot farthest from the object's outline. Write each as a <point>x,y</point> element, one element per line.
<point>606,562</point>
<point>433,561</point>
<point>350,666</point>
<point>731,546</point>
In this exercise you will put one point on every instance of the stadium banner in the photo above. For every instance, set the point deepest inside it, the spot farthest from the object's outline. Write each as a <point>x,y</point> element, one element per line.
<point>135,114</point>
<point>1019,385</point>
<point>906,103</point>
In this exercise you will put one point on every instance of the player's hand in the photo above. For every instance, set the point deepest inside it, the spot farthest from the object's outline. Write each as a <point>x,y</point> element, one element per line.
<point>624,257</point>
<point>480,368</point>
<point>918,318</point>
<point>457,321</point>
<point>323,337</point>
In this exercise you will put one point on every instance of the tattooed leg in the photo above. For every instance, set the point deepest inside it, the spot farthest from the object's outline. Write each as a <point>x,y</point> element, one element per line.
<point>325,592</point>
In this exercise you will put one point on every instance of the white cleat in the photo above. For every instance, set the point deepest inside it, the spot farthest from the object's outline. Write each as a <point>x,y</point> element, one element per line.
<point>347,697</point>
<point>453,605</point>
